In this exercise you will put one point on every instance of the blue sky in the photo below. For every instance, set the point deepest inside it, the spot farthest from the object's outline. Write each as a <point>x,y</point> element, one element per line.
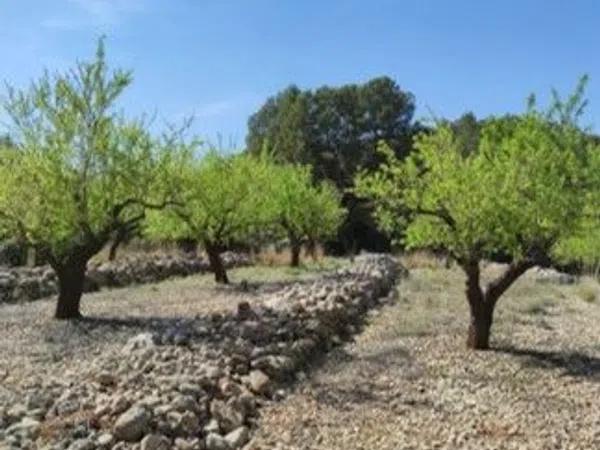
<point>219,59</point>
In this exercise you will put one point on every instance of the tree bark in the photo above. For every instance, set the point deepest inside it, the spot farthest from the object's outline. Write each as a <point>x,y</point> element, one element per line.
<point>71,278</point>
<point>295,248</point>
<point>216,263</point>
<point>480,326</point>
<point>482,302</point>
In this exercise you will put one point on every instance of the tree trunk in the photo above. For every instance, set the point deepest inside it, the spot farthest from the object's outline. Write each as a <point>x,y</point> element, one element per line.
<point>482,310</point>
<point>295,249</point>
<point>216,263</point>
<point>483,302</point>
<point>478,337</point>
<point>71,277</point>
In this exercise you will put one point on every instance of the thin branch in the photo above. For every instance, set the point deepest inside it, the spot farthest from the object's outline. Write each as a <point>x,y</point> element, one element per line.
<point>440,213</point>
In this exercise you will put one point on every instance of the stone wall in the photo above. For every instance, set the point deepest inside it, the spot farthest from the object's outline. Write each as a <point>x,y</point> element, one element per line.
<point>201,384</point>
<point>26,284</point>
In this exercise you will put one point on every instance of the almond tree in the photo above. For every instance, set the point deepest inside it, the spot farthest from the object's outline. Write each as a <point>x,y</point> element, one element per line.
<point>304,211</point>
<point>523,192</point>
<point>79,172</point>
<point>221,200</point>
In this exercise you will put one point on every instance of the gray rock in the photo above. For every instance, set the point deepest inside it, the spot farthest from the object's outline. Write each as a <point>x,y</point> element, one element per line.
<point>229,418</point>
<point>212,426</point>
<point>155,442</point>
<point>189,444</point>
<point>189,424</point>
<point>82,444</point>
<point>259,381</point>
<point>238,437</point>
<point>105,439</point>
<point>132,424</point>
<point>141,341</point>
<point>275,366</point>
<point>215,441</point>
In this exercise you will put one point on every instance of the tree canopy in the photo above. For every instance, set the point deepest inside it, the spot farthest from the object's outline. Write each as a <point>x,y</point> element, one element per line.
<point>78,170</point>
<point>523,191</point>
<point>221,199</point>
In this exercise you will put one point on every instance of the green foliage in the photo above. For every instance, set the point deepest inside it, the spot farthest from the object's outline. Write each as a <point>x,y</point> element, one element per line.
<point>220,200</point>
<point>78,170</point>
<point>304,211</point>
<point>335,130</point>
<point>235,199</point>
<point>522,192</point>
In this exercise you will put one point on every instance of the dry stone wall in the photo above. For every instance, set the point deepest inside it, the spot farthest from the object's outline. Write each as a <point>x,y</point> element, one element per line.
<point>27,284</point>
<point>200,384</point>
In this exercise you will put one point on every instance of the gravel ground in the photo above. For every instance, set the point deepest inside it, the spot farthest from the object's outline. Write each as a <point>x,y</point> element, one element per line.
<point>33,345</point>
<point>409,383</point>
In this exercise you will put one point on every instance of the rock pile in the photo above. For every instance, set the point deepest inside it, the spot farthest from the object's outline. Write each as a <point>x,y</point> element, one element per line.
<point>27,284</point>
<point>550,275</point>
<point>201,384</point>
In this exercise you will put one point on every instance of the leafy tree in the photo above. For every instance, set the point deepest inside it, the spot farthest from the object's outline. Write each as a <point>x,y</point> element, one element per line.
<point>467,130</point>
<point>282,126</point>
<point>523,192</point>
<point>336,130</point>
<point>78,172</point>
<point>221,200</point>
<point>306,213</point>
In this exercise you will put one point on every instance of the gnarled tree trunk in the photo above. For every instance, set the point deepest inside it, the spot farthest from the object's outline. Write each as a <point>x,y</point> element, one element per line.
<point>216,263</point>
<point>71,278</point>
<point>482,302</point>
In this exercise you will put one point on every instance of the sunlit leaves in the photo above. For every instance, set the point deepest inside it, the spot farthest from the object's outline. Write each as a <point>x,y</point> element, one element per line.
<point>76,159</point>
<point>300,208</point>
<point>524,189</point>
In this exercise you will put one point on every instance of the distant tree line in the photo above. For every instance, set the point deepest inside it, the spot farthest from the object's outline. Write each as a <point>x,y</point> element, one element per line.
<point>335,130</point>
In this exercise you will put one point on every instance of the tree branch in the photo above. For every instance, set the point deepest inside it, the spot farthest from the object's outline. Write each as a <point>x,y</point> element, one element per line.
<point>440,213</point>
<point>119,208</point>
<point>497,287</point>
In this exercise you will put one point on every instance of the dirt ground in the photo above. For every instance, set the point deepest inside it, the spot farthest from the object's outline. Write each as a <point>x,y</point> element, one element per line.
<point>32,344</point>
<point>409,383</point>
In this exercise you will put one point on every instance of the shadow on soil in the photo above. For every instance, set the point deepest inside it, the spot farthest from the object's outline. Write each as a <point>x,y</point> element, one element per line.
<point>359,386</point>
<point>574,364</point>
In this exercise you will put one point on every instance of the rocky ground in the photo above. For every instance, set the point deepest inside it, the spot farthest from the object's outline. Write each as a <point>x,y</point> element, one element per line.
<point>160,368</point>
<point>315,364</point>
<point>407,382</point>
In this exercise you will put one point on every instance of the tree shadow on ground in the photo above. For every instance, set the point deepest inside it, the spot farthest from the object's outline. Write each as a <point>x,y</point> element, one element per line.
<point>360,386</point>
<point>572,363</point>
